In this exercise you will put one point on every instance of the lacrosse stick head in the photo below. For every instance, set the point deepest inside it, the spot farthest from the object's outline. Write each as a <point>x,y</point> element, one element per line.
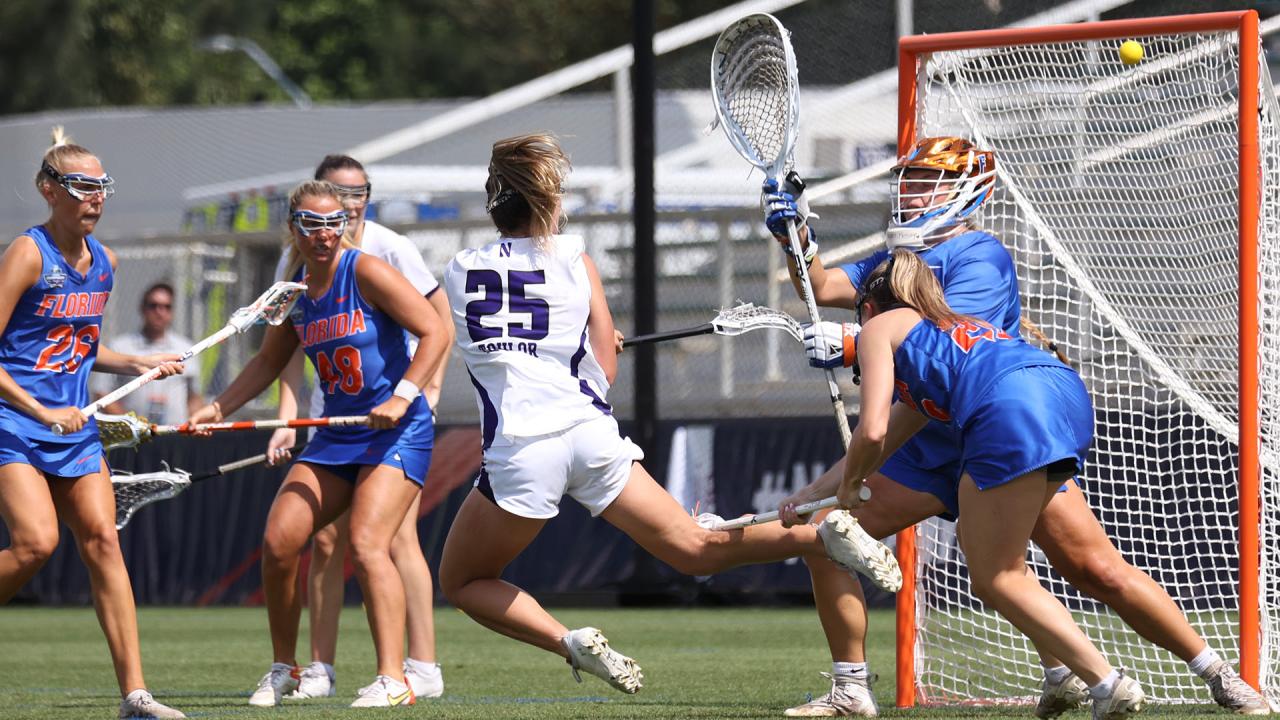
<point>128,430</point>
<point>746,317</point>
<point>757,91</point>
<point>134,492</point>
<point>271,307</point>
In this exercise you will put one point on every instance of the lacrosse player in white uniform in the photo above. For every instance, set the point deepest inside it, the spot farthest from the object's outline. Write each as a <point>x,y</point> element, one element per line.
<point>535,331</point>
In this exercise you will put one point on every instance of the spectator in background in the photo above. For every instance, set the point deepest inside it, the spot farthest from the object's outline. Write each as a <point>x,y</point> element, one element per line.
<point>169,401</point>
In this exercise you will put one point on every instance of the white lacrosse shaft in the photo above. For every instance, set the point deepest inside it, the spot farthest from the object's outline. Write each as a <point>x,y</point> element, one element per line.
<point>806,293</point>
<point>337,421</point>
<point>241,320</point>
<point>864,493</point>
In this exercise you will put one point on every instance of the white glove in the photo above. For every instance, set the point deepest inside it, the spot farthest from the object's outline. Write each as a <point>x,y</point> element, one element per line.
<point>831,345</point>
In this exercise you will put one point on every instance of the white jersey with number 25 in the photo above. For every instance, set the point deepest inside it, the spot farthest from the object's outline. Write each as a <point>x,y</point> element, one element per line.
<point>520,309</point>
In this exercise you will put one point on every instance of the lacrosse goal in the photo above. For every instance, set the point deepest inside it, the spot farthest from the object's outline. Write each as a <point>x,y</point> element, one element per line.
<point>1141,204</point>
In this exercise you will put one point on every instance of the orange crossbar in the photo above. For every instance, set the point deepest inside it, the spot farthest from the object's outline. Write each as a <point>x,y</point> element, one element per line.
<point>1246,24</point>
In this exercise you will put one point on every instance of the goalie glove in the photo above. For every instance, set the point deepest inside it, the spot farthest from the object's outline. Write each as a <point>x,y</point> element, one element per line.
<point>785,202</point>
<point>831,345</point>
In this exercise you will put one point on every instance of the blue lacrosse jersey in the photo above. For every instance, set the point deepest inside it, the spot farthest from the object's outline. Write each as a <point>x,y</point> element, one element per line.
<point>945,374</point>
<point>360,353</point>
<point>979,280</point>
<point>976,273</point>
<point>51,341</point>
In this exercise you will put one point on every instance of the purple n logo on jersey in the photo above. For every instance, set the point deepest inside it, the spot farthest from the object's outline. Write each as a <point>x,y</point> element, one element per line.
<point>506,250</point>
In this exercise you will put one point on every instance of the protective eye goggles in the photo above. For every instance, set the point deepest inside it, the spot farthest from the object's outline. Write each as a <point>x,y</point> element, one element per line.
<point>308,222</point>
<point>354,193</point>
<point>81,186</point>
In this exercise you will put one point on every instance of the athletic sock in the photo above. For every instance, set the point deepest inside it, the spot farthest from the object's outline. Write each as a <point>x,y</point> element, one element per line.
<point>421,665</point>
<point>1055,675</point>
<point>1201,663</point>
<point>850,669</point>
<point>1106,686</point>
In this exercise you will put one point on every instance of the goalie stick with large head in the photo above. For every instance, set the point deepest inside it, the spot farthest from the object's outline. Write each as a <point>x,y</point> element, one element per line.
<point>130,430</point>
<point>270,308</point>
<point>136,491</point>
<point>756,86</point>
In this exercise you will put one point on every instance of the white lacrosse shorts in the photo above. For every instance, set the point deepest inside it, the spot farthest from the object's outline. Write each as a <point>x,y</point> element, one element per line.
<point>590,462</point>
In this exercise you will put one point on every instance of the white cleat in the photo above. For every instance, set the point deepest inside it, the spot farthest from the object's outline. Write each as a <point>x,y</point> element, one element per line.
<point>590,651</point>
<point>1126,699</point>
<point>426,683</point>
<point>1057,698</point>
<point>849,697</point>
<point>140,704</point>
<point>315,681</point>
<point>1233,693</point>
<point>850,547</point>
<point>279,681</point>
<point>384,692</point>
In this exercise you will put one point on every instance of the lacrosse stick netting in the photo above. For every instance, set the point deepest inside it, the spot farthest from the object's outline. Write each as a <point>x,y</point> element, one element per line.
<point>136,491</point>
<point>756,87</point>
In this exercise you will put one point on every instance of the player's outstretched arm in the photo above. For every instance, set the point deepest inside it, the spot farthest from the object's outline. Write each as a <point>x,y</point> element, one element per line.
<point>440,301</point>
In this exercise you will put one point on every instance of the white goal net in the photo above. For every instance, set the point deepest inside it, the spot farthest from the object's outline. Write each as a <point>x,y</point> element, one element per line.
<point>1119,200</point>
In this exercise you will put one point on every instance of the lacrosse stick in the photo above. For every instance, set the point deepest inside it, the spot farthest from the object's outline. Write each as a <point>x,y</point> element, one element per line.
<point>757,95</point>
<point>131,431</point>
<point>743,318</point>
<point>271,308</point>
<point>138,491</point>
<point>805,509</point>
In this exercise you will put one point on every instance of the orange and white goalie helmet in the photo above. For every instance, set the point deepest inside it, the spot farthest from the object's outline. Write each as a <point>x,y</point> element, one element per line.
<point>962,179</point>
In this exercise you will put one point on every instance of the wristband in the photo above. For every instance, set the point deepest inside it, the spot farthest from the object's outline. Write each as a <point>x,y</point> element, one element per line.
<point>811,252</point>
<point>407,390</point>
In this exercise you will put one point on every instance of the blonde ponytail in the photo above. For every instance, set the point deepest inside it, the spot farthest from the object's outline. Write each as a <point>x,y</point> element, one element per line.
<point>905,280</point>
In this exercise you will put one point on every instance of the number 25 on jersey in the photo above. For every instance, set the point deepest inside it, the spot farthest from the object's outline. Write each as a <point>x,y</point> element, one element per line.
<point>512,294</point>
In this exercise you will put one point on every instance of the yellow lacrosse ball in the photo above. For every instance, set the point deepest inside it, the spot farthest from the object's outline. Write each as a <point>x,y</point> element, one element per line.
<point>1131,52</point>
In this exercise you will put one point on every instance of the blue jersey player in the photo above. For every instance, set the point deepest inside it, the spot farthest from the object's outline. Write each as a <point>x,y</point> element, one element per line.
<point>938,185</point>
<point>1021,422</point>
<point>353,323</point>
<point>54,282</point>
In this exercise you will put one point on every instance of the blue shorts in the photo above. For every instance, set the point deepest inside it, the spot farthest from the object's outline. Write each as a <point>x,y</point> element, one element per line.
<point>1034,417</point>
<point>69,459</point>
<point>407,451</point>
<point>933,461</point>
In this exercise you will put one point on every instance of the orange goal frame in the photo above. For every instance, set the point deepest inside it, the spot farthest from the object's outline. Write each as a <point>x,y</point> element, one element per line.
<point>910,65</point>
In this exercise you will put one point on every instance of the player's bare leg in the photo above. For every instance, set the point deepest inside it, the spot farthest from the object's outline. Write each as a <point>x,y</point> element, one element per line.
<point>994,527</point>
<point>378,506</point>
<point>841,605</point>
<point>1079,549</point>
<point>326,584</point>
<point>421,669</point>
<point>88,506</point>
<point>649,515</point>
<point>483,540</point>
<point>309,499</point>
<point>27,509</point>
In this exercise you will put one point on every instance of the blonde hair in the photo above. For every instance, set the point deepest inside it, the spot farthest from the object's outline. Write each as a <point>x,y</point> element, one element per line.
<point>62,150</point>
<point>526,173</point>
<point>905,280</point>
<point>308,189</point>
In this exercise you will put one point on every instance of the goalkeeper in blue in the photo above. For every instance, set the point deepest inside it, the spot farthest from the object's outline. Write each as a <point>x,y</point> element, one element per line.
<point>938,186</point>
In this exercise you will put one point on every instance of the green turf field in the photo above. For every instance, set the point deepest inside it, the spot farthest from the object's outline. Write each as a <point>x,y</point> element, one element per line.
<point>703,663</point>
